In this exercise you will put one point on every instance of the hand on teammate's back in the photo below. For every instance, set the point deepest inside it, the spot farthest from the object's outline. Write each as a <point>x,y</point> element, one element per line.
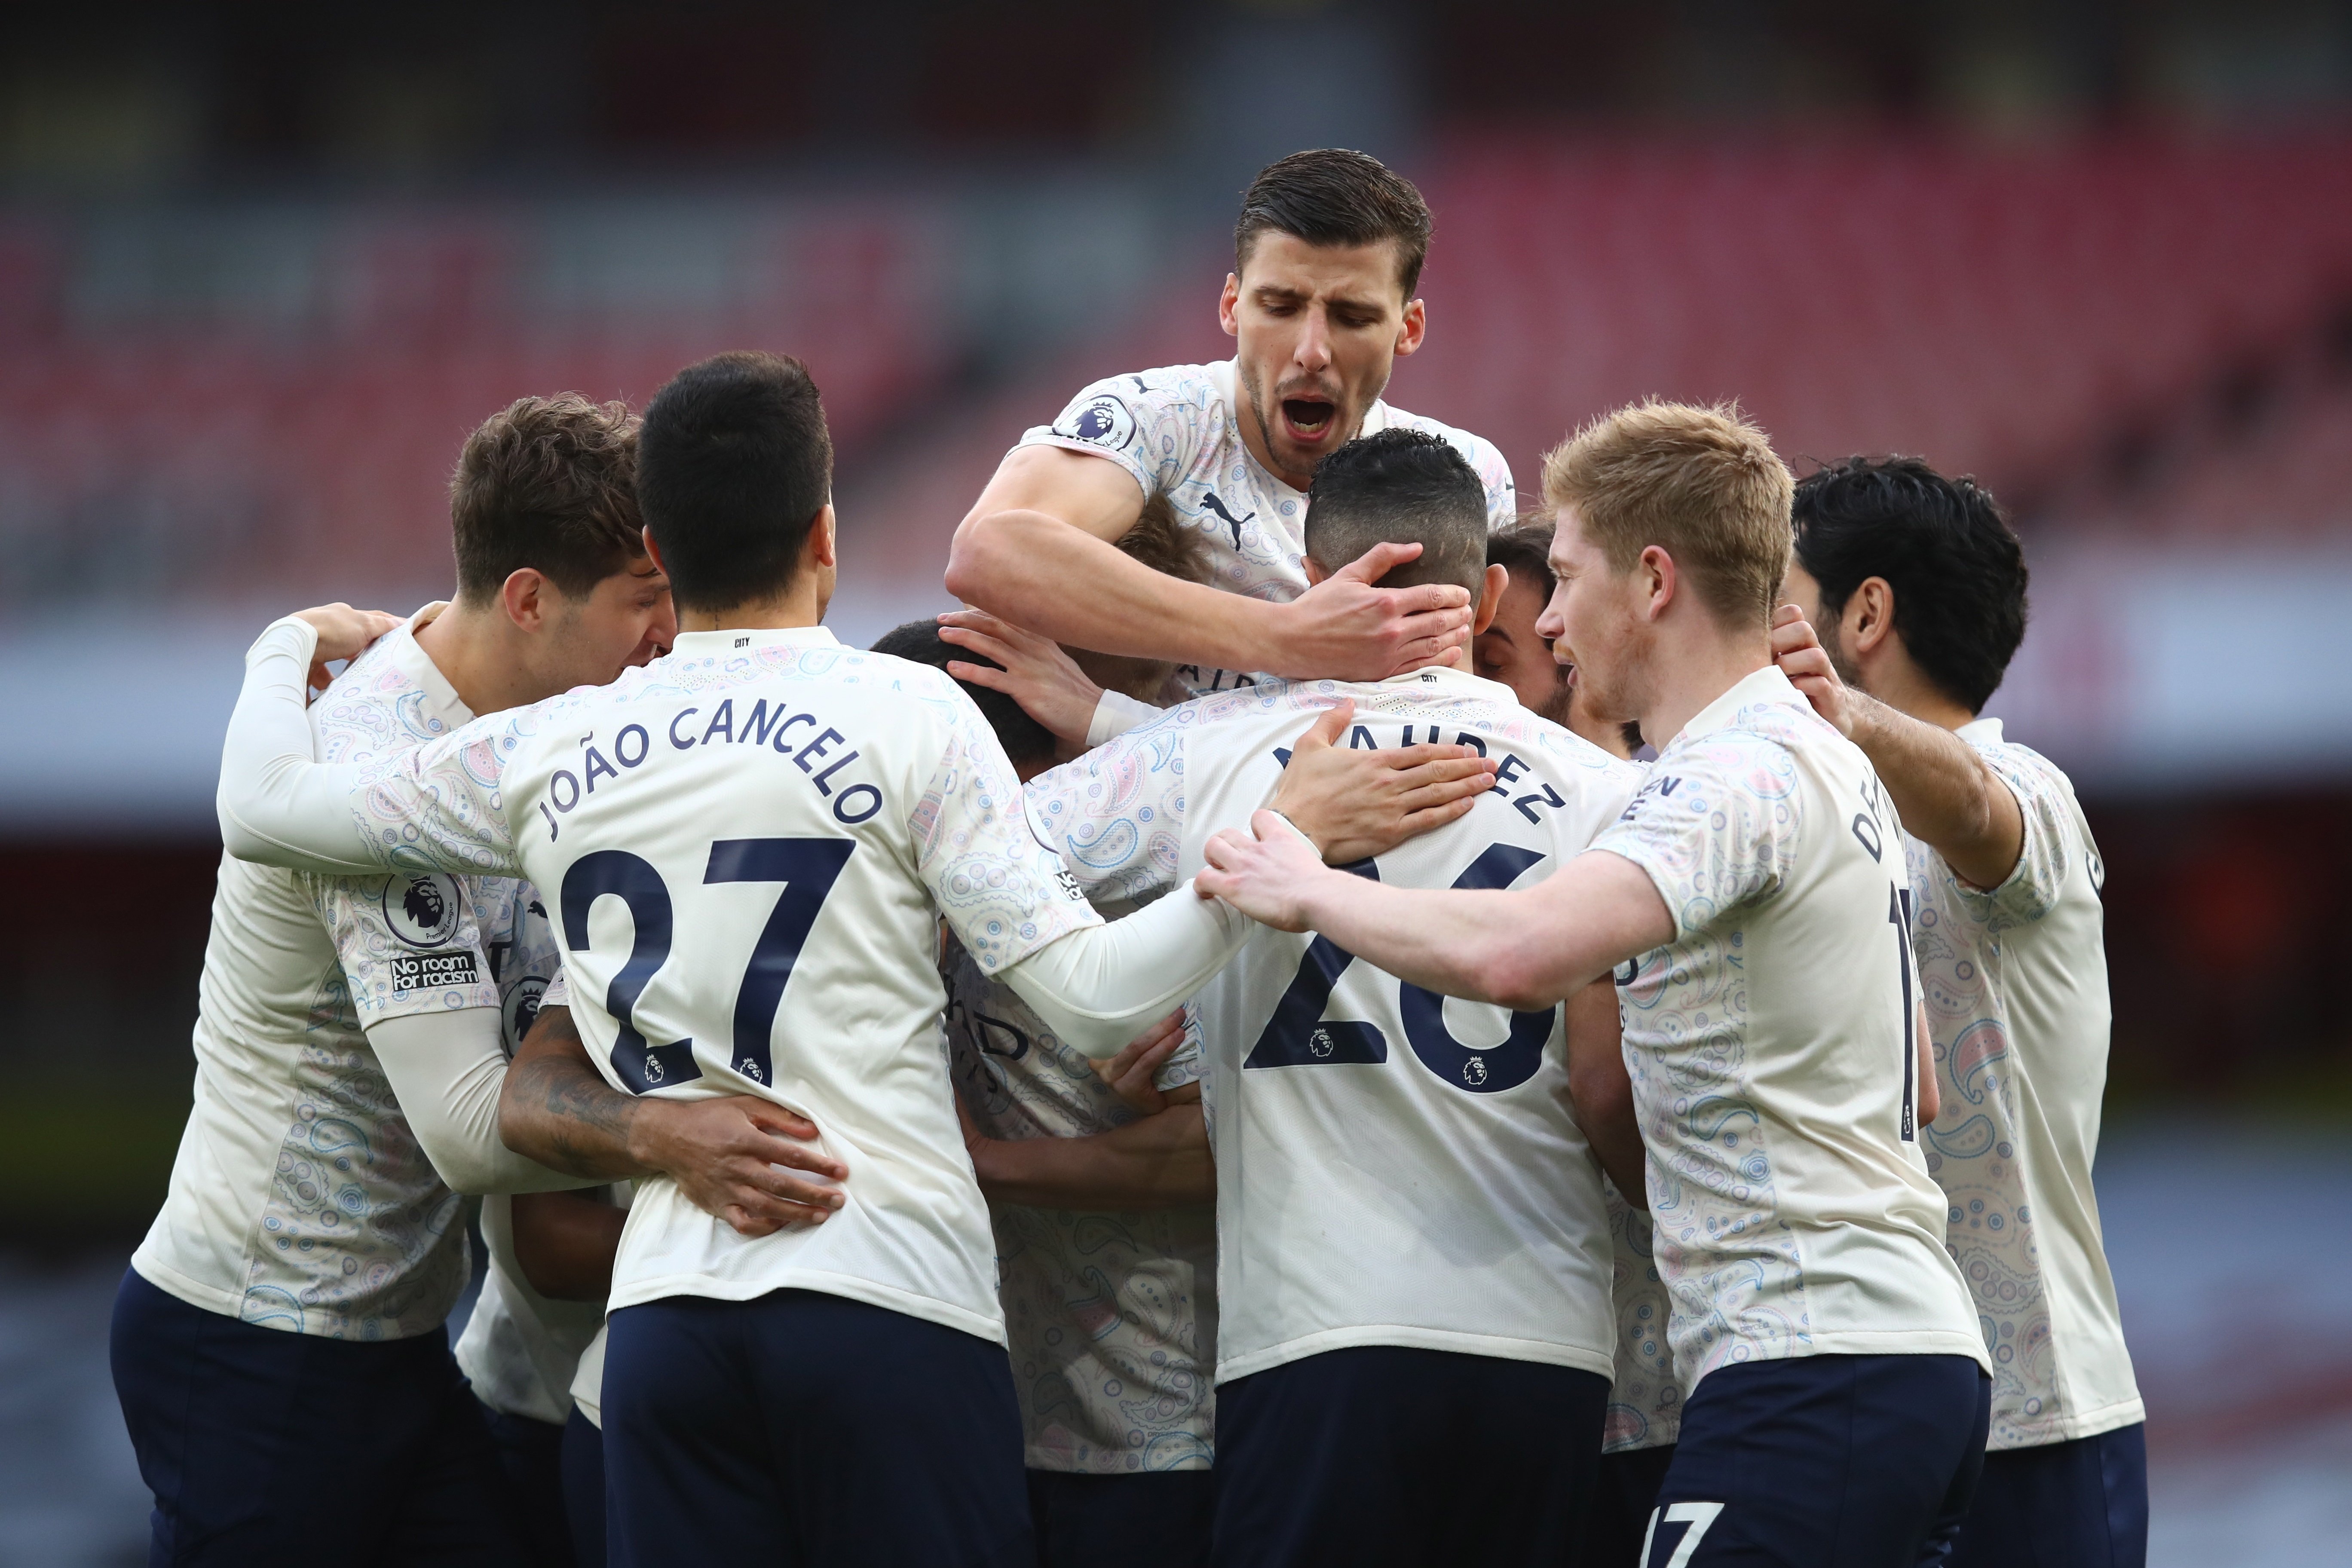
<point>1344,628</point>
<point>1358,804</point>
<point>1131,1074</point>
<point>343,633</point>
<point>1798,649</point>
<point>1045,682</point>
<point>1261,873</point>
<point>732,1158</point>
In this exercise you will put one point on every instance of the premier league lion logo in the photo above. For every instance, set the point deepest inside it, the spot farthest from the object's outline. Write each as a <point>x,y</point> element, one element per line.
<point>1103,422</point>
<point>421,907</point>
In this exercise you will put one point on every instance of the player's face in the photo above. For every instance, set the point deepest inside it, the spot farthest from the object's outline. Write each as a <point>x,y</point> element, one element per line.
<point>1317,328</point>
<point>1802,589</point>
<point>625,620</point>
<point>1511,651</point>
<point>1595,624</point>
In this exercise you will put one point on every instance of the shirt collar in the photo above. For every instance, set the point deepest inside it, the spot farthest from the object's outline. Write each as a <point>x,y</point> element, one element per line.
<point>1981,732</point>
<point>1455,682</point>
<point>1765,685</point>
<point>734,639</point>
<point>401,650</point>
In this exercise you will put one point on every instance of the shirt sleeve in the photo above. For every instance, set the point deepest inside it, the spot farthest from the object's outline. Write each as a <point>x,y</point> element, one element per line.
<point>1716,826</point>
<point>1117,814</point>
<point>1004,894</point>
<point>410,942</point>
<point>1144,431</point>
<point>1494,473</point>
<point>2046,804</point>
<point>432,808</point>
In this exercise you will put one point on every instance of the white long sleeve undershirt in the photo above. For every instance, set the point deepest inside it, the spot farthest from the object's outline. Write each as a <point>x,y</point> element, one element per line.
<point>447,1069</point>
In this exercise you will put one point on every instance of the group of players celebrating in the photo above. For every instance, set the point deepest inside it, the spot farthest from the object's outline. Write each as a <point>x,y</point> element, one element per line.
<point>1215,1053</point>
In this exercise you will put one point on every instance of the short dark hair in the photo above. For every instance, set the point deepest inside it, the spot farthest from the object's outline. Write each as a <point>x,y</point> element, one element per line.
<point>1943,545</point>
<point>1524,550</point>
<point>733,466</point>
<point>1025,740</point>
<point>1333,196</point>
<point>550,483</point>
<point>1400,486</point>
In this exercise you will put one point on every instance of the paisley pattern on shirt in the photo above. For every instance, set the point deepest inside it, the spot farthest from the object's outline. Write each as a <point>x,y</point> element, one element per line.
<point>1110,1318</point>
<point>1175,431</point>
<point>1974,1150</point>
<point>358,1237</point>
<point>1717,825</point>
<point>1645,1401</point>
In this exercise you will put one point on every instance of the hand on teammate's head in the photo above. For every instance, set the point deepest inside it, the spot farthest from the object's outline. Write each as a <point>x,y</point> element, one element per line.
<point>1345,628</point>
<point>1035,673</point>
<point>1797,650</point>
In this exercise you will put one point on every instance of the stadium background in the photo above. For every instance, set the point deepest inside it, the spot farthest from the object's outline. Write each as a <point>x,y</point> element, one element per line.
<point>262,266</point>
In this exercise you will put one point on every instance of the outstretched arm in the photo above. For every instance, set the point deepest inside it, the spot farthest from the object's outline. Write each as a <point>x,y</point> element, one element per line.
<point>446,1068</point>
<point>1035,550</point>
<point>279,807</point>
<point>1160,1162</point>
<point>1940,786</point>
<point>1525,948</point>
<point>731,1157</point>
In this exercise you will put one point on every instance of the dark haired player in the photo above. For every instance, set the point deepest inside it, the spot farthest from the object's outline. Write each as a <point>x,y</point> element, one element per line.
<point>750,842</point>
<point>1916,586</point>
<point>1414,1341</point>
<point>1326,256</point>
<point>285,1309</point>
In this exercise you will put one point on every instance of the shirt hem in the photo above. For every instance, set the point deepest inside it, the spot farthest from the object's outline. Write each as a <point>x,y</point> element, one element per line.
<point>1031,1459</point>
<point>1924,1341</point>
<point>1583,1358</point>
<point>1652,1441</point>
<point>2106,1418</point>
<point>230,1304</point>
<point>930,1309</point>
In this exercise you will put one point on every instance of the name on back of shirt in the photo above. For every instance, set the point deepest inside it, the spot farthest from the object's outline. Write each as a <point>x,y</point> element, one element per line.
<point>817,749</point>
<point>1510,772</point>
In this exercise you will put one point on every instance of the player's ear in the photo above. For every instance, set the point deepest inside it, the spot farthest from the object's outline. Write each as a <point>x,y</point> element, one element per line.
<point>1314,570</point>
<point>525,597</point>
<point>820,546</point>
<point>1869,616</point>
<point>1227,301</point>
<point>1490,598</point>
<point>1655,575</point>
<point>1411,329</point>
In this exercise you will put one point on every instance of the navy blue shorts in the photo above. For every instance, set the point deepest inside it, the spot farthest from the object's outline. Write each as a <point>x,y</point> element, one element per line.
<point>1833,1461</point>
<point>255,1442</point>
<point>2081,1504</point>
<point>583,1489</point>
<point>1380,1454</point>
<point>531,1462</point>
<point>1624,1490</point>
<point>1151,1519</point>
<point>807,1429</point>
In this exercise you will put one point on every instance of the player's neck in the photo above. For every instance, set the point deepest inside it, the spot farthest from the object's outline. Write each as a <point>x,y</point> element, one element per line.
<point>1695,665</point>
<point>480,654</point>
<point>802,607</point>
<point>1897,682</point>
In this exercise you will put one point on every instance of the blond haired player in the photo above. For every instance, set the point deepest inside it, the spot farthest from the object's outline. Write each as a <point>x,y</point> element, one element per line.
<point>1752,903</point>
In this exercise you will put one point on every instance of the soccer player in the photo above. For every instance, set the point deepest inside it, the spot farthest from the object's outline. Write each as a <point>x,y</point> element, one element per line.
<point>1645,1395</point>
<point>351,1035</point>
<point>1915,587</point>
<point>1320,303</point>
<point>1751,903</point>
<point>750,842</point>
<point>1414,1332</point>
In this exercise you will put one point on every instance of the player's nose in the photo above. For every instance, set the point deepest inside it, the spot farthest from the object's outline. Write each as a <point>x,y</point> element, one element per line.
<point>1313,353</point>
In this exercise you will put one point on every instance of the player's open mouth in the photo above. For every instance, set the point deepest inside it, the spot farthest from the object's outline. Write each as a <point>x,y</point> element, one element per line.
<point>1310,418</point>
